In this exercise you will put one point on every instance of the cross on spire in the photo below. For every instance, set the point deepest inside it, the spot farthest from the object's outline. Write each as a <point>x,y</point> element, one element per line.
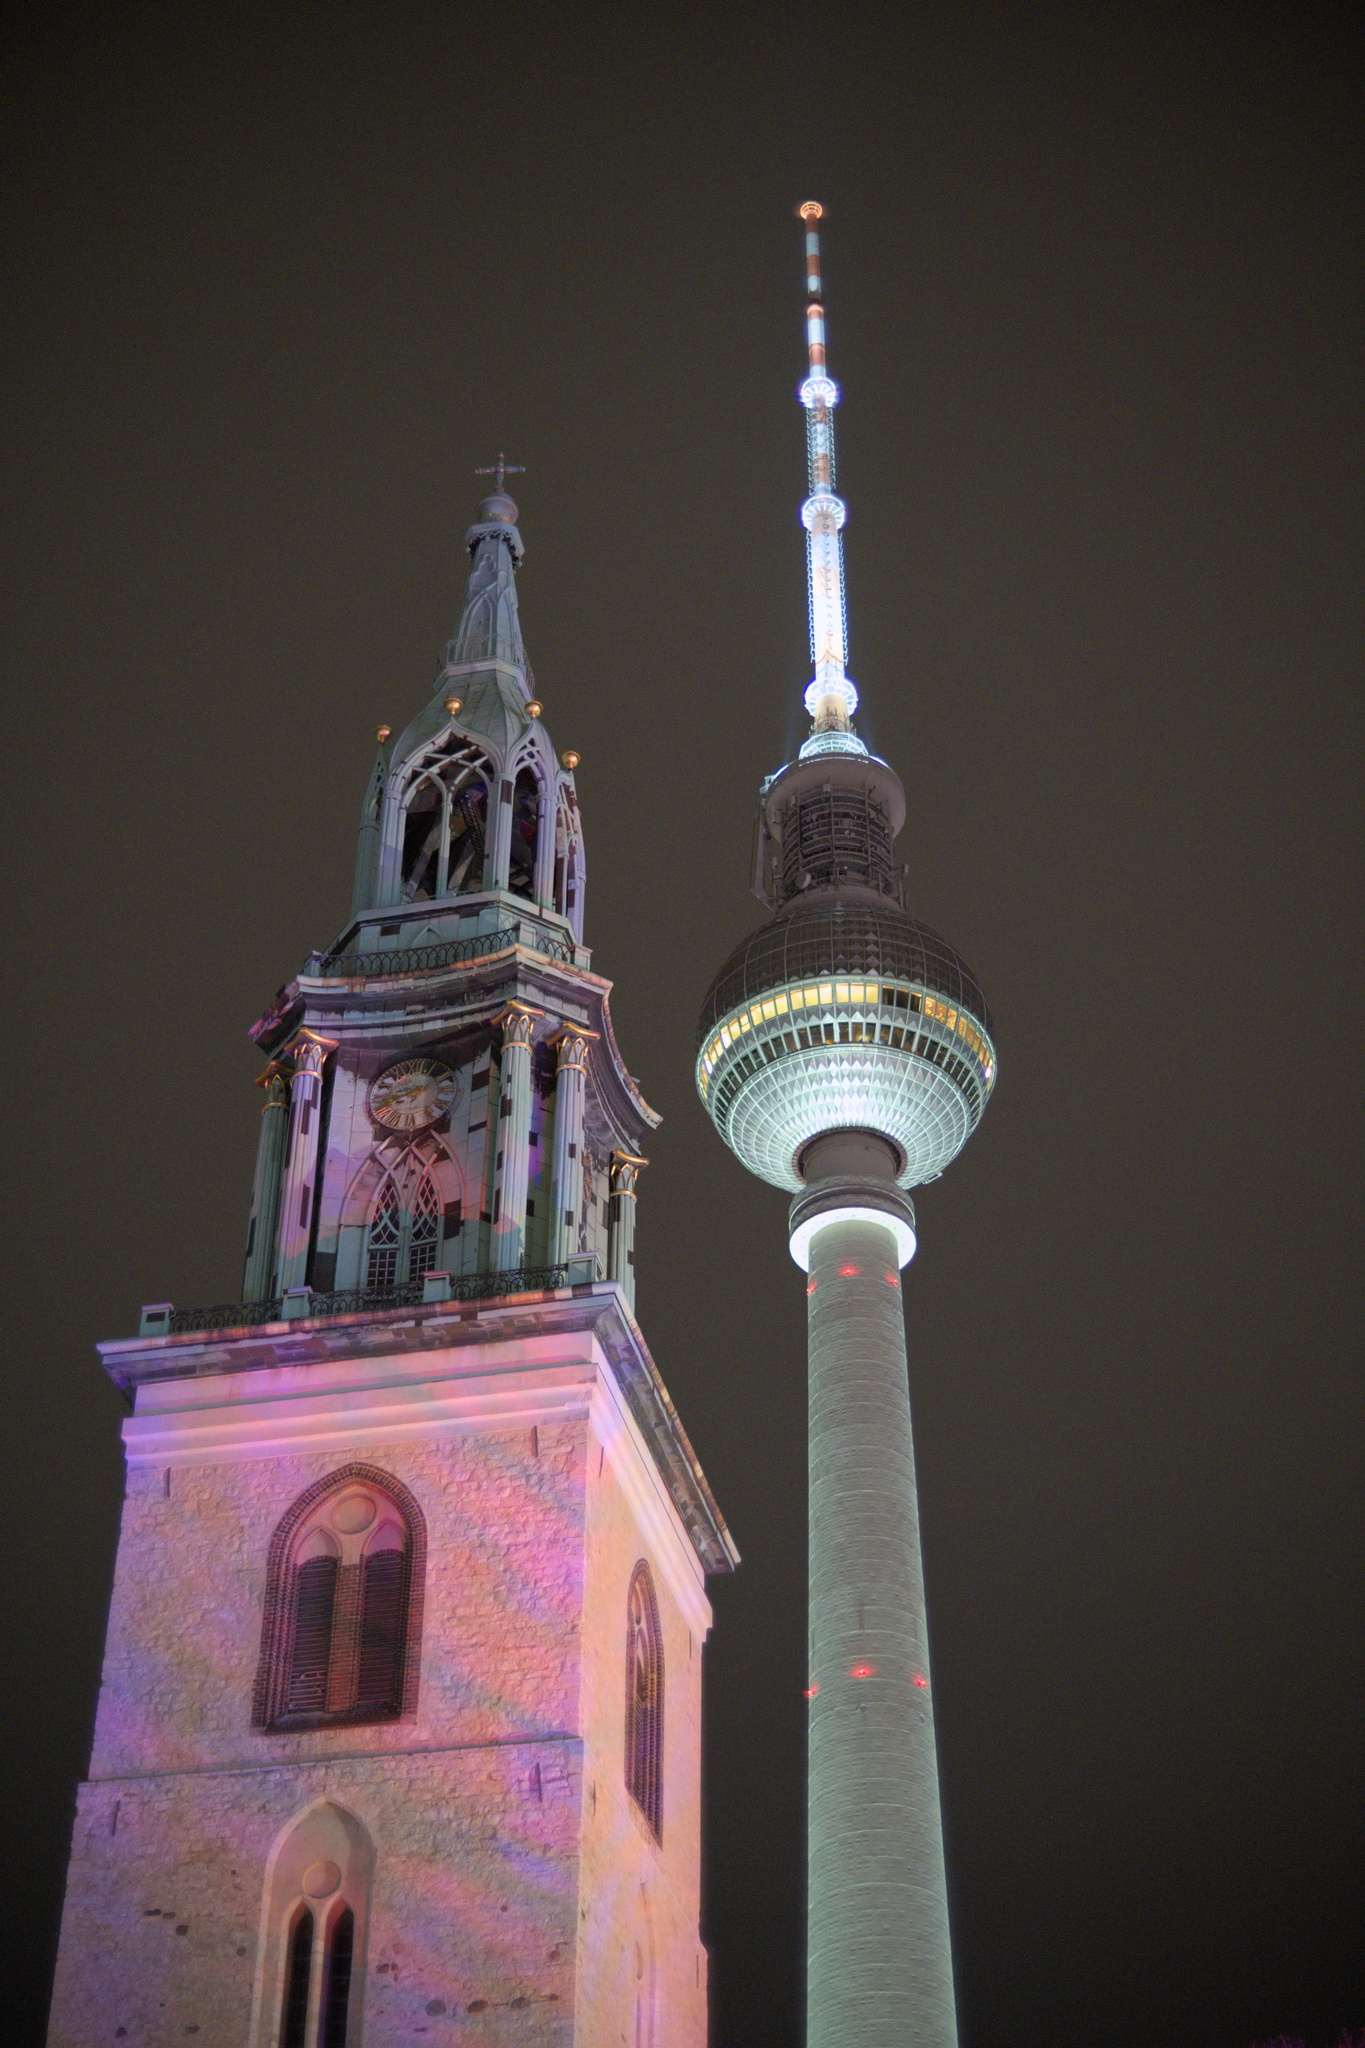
<point>500,469</point>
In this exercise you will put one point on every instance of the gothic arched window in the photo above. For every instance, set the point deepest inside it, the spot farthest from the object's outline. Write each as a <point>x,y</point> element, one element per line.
<point>521,873</point>
<point>645,1699</point>
<point>404,1237</point>
<point>317,1905</point>
<point>445,818</point>
<point>339,1641</point>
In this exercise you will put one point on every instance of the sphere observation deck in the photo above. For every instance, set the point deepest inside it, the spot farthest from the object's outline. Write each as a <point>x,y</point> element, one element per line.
<point>845,1014</point>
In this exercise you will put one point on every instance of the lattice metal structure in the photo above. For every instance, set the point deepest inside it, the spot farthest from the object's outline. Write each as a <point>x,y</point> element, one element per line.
<point>845,1053</point>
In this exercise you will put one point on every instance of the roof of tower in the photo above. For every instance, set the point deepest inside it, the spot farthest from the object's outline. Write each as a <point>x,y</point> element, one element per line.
<point>485,662</point>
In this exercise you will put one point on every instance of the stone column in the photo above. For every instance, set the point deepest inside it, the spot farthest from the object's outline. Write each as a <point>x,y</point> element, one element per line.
<point>265,1194</point>
<point>301,1163</point>
<point>625,1171</point>
<point>512,1172</point>
<point>566,1161</point>
<point>545,849</point>
<point>498,846</point>
<point>879,1965</point>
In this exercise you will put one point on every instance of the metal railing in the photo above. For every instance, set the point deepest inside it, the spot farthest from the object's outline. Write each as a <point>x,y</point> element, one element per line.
<point>226,1315</point>
<point>520,1280</point>
<point>422,959</point>
<point>351,1301</point>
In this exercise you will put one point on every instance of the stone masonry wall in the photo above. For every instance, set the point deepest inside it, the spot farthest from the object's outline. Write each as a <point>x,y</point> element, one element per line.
<point>641,1900</point>
<point>471,1917</point>
<point>503,1593</point>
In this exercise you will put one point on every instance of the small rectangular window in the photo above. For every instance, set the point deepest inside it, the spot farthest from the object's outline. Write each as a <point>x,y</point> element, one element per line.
<point>841,991</point>
<point>826,992</point>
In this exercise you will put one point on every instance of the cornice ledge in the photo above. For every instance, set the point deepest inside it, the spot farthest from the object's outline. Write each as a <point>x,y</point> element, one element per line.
<point>652,1410</point>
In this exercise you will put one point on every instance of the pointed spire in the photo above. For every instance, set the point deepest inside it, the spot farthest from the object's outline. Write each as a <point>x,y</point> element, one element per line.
<point>831,698</point>
<point>489,628</point>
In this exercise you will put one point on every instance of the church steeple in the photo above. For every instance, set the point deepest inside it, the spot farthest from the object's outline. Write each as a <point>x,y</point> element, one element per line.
<point>471,806</point>
<point>489,629</point>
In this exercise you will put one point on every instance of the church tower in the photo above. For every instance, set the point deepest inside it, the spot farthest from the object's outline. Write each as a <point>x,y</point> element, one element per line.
<point>399,1729</point>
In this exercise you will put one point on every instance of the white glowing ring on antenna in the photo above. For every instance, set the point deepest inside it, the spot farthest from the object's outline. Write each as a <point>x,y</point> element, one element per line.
<point>824,505</point>
<point>818,390</point>
<point>828,684</point>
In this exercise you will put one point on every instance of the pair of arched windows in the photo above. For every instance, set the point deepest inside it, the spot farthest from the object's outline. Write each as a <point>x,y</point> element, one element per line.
<point>316,1910</point>
<point>322,1981</point>
<point>645,1700</point>
<point>339,1640</point>
<point>404,1237</point>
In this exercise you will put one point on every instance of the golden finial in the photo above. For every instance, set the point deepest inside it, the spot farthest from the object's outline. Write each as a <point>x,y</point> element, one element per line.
<point>381,733</point>
<point>534,708</point>
<point>454,704</point>
<point>571,760</point>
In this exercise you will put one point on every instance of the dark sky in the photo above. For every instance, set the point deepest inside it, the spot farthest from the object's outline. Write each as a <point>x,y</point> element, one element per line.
<point>278,282</point>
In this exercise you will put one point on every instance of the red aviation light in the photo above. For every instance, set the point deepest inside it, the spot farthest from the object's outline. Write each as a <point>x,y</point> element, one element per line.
<point>810,1289</point>
<point>848,1272</point>
<point>862,1671</point>
<point>893,1279</point>
<point>921,1681</point>
<point>810,1691</point>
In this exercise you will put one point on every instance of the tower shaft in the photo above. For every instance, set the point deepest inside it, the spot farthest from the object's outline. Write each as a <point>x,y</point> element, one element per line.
<point>879,1965</point>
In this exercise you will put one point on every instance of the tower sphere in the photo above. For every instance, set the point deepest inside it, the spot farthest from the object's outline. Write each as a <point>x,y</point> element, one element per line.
<point>843,1011</point>
<point>844,1015</point>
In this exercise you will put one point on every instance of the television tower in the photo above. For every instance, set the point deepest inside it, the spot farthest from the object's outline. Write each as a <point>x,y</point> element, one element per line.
<point>846,1053</point>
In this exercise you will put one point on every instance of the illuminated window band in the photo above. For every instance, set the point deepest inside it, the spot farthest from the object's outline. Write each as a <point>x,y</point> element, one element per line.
<point>853,1012</point>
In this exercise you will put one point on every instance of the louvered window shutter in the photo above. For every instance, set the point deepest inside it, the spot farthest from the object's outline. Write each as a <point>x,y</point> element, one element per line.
<point>315,1586</point>
<point>383,1600</point>
<point>336,1990</point>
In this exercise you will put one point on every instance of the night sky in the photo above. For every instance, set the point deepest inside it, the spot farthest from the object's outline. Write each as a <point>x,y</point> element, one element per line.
<point>278,282</point>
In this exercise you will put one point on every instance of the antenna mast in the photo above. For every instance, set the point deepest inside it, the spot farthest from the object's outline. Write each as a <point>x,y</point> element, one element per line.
<point>831,698</point>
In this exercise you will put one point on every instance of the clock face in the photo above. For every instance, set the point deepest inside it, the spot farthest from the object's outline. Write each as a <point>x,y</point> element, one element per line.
<point>411,1094</point>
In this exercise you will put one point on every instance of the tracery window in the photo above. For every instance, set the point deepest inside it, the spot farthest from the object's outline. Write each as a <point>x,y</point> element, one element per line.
<point>342,1614</point>
<point>445,820</point>
<point>404,1237</point>
<point>317,1903</point>
<point>645,1699</point>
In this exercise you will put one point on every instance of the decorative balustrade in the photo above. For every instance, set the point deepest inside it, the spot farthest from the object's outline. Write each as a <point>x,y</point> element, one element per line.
<point>163,1320</point>
<point>423,959</point>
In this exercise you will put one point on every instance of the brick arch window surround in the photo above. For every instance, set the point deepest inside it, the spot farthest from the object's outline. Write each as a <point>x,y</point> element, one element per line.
<point>645,1699</point>
<point>341,1631</point>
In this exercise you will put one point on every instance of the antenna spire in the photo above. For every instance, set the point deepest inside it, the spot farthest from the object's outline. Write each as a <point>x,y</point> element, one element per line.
<point>831,698</point>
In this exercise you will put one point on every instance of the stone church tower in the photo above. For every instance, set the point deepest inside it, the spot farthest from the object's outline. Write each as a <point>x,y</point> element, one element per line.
<point>400,1726</point>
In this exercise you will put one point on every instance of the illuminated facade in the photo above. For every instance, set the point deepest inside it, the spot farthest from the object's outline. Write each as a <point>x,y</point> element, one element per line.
<point>399,1730</point>
<point>846,1053</point>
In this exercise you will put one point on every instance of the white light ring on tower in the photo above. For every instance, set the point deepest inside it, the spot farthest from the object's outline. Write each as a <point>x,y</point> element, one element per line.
<point>894,1221</point>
